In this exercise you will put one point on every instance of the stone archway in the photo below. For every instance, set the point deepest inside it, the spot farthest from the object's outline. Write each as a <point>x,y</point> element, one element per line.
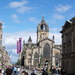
<point>47,63</point>
<point>22,61</point>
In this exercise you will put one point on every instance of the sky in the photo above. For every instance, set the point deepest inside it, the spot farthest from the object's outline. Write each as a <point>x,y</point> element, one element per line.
<point>21,18</point>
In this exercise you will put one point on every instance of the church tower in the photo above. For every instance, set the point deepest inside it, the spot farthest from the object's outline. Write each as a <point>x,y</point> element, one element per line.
<point>0,34</point>
<point>42,30</point>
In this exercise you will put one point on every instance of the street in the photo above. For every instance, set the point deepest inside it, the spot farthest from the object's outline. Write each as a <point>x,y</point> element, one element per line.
<point>37,72</point>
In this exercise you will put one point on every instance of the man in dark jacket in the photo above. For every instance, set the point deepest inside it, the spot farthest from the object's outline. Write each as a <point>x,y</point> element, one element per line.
<point>44,73</point>
<point>24,73</point>
<point>9,71</point>
<point>33,73</point>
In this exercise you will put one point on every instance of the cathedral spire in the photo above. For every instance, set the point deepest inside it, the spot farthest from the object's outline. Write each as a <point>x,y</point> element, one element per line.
<point>43,18</point>
<point>53,37</point>
<point>30,39</point>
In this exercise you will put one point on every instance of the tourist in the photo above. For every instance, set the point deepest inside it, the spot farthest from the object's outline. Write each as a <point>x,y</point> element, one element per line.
<point>63,71</point>
<point>33,73</point>
<point>1,72</point>
<point>15,69</point>
<point>44,72</point>
<point>21,72</point>
<point>9,71</point>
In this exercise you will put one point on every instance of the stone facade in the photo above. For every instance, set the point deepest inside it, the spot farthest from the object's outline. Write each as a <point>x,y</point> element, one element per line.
<point>42,54</point>
<point>4,56</point>
<point>68,46</point>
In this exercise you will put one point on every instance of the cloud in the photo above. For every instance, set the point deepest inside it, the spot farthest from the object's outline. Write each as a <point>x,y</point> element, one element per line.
<point>23,9</point>
<point>4,26</point>
<point>17,21</point>
<point>9,40</point>
<point>62,8</point>
<point>53,21</point>
<point>20,7</point>
<point>59,17</point>
<point>14,16</point>
<point>17,4</point>
<point>33,19</point>
<point>55,30</point>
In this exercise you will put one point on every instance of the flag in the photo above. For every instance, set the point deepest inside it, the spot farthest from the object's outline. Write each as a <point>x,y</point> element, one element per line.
<point>20,44</point>
<point>17,47</point>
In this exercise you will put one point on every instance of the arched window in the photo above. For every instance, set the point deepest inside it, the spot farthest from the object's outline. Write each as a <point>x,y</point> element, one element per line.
<point>36,57</point>
<point>57,59</point>
<point>46,51</point>
<point>42,27</point>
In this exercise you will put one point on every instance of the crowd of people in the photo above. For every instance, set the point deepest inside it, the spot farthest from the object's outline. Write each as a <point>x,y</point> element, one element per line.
<point>8,70</point>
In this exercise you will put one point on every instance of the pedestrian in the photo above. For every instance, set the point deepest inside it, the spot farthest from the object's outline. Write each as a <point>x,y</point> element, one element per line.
<point>1,72</point>
<point>63,71</point>
<point>21,71</point>
<point>18,69</point>
<point>15,69</point>
<point>33,73</point>
<point>44,72</point>
<point>9,71</point>
<point>24,73</point>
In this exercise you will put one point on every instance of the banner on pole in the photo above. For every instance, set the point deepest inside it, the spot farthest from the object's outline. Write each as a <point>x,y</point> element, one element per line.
<point>19,46</point>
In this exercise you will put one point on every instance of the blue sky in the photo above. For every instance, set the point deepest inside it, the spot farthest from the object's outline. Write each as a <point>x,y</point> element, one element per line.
<point>21,18</point>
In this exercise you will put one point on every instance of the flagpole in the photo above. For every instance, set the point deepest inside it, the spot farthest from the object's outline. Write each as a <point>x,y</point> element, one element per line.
<point>20,49</point>
<point>20,61</point>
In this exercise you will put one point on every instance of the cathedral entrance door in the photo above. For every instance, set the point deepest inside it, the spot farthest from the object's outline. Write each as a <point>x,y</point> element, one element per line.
<point>46,64</point>
<point>22,61</point>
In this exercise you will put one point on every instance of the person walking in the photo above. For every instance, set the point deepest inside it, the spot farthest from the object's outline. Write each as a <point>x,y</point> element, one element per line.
<point>15,69</point>
<point>9,71</point>
<point>1,72</point>
<point>44,72</point>
<point>63,71</point>
<point>33,73</point>
<point>21,72</point>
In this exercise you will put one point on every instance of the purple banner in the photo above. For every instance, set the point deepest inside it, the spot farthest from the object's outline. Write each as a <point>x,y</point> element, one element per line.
<point>17,47</point>
<point>20,44</point>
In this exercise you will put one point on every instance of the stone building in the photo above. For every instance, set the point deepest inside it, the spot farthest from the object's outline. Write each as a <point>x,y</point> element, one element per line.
<point>4,56</point>
<point>42,54</point>
<point>68,46</point>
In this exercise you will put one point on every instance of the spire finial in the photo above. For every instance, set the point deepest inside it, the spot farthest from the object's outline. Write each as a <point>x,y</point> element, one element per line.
<point>53,37</point>
<point>43,15</point>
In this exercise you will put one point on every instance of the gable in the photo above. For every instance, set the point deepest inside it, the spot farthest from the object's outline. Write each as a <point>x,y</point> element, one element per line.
<point>46,39</point>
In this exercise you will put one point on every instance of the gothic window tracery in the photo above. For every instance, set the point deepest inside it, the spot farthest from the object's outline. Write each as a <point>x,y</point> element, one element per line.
<point>36,57</point>
<point>57,59</point>
<point>46,51</point>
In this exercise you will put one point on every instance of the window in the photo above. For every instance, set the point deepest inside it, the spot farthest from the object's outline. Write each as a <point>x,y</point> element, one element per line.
<point>57,59</point>
<point>36,57</point>
<point>46,51</point>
